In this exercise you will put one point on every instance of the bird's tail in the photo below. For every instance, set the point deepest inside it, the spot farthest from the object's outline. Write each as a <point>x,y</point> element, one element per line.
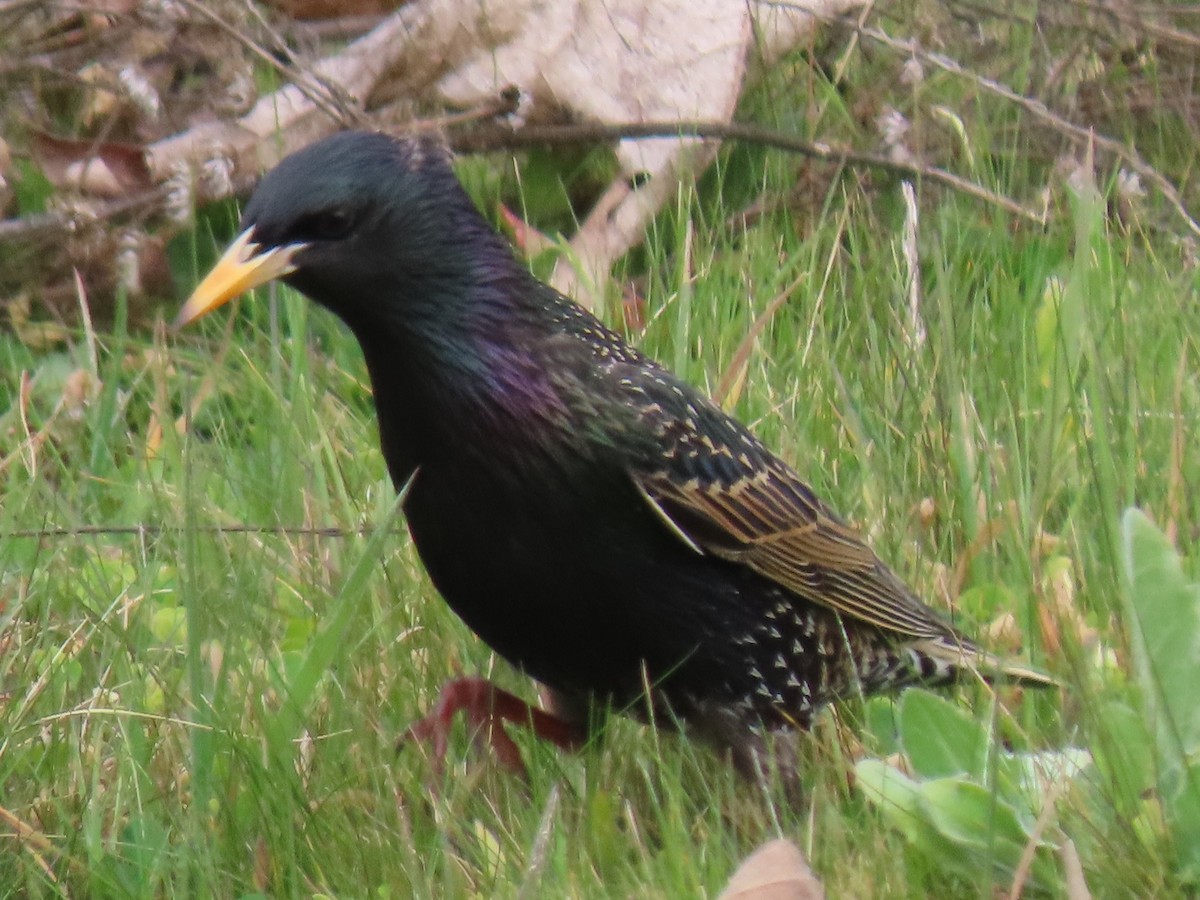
<point>958,658</point>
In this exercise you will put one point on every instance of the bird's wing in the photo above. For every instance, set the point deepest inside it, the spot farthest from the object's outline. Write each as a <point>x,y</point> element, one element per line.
<point>724,493</point>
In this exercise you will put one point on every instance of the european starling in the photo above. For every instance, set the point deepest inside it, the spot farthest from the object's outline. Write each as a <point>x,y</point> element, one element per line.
<point>594,519</point>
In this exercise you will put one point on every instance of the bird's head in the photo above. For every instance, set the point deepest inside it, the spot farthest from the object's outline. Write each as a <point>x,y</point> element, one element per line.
<point>347,221</point>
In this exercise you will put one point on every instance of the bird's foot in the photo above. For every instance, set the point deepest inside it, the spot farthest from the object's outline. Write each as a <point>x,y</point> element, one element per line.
<point>487,708</point>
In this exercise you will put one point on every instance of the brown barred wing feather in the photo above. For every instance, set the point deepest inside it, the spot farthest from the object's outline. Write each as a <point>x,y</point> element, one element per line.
<point>735,500</point>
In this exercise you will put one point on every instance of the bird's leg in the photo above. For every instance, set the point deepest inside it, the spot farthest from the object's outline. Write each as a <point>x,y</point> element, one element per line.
<point>487,708</point>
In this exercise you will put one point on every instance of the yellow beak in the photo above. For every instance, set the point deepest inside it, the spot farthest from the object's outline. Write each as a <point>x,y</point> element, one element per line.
<point>244,266</point>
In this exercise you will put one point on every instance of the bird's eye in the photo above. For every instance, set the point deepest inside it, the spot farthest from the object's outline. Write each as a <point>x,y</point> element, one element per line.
<point>326,225</point>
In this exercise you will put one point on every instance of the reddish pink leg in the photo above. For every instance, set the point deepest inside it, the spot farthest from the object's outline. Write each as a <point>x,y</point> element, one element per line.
<point>487,708</point>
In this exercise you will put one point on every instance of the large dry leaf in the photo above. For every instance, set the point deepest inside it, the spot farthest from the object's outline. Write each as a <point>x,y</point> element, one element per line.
<point>603,61</point>
<point>606,61</point>
<point>614,61</point>
<point>775,871</point>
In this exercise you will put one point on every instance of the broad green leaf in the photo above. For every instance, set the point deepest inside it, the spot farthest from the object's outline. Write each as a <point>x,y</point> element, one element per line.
<point>1024,779</point>
<point>881,722</point>
<point>939,738</point>
<point>892,792</point>
<point>1062,314</point>
<point>1124,755</point>
<point>975,819</point>
<point>960,825</point>
<point>1184,815</point>
<point>1164,616</point>
<point>971,815</point>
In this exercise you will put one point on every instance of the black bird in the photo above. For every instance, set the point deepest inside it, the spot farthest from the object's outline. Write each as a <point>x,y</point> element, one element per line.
<point>595,520</point>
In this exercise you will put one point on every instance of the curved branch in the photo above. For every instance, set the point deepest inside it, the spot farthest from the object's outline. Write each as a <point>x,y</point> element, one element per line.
<point>485,139</point>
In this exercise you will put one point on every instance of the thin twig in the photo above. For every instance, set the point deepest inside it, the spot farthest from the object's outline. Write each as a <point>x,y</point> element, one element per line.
<point>55,222</point>
<point>1040,110</point>
<point>319,91</point>
<point>487,139</point>
<point>500,106</point>
<point>147,202</point>
<point>490,138</point>
<point>1142,22</point>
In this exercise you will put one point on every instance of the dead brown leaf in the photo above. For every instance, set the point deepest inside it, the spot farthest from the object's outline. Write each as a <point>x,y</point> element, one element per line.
<point>633,60</point>
<point>102,168</point>
<point>775,871</point>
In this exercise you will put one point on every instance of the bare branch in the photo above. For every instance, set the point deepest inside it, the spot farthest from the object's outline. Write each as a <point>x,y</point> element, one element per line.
<point>1039,110</point>
<point>486,139</point>
<point>286,120</point>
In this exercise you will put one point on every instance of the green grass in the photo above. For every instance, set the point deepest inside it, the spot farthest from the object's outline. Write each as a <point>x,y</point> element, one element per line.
<point>214,713</point>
